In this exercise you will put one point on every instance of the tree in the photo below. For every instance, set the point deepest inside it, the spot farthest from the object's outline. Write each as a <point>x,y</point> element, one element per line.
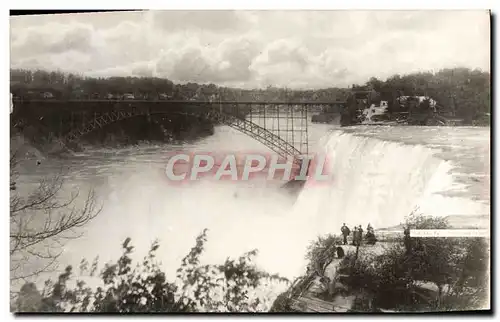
<point>432,259</point>
<point>40,222</point>
<point>470,289</point>
<point>375,84</point>
<point>231,287</point>
<point>397,279</point>
<point>319,253</point>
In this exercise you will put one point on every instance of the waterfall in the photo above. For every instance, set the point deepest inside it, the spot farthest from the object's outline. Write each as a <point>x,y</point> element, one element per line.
<point>373,181</point>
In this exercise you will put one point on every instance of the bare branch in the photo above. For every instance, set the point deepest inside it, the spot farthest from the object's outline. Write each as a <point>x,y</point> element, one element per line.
<point>40,222</point>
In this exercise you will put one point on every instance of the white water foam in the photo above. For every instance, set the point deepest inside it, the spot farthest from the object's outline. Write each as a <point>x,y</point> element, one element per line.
<point>377,182</point>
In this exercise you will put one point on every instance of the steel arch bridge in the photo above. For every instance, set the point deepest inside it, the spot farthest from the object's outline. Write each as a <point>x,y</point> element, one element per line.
<point>281,126</point>
<point>257,132</point>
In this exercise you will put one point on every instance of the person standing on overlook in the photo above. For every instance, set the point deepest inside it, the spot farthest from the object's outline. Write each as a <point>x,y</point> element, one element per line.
<point>345,232</point>
<point>407,240</point>
<point>360,235</point>
<point>370,235</point>
<point>355,234</point>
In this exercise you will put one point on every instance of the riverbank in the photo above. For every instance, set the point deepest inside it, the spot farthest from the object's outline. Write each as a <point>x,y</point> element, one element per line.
<point>24,151</point>
<point>36,140</point>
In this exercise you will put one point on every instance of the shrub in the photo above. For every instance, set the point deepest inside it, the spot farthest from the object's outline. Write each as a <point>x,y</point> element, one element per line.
<point>321,251</point>
<point>235,286</point>
<point>401,280</point>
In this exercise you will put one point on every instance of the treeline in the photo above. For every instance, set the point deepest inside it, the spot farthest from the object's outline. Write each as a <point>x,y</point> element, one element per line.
<point>66,85</point>
<point>460,92</point>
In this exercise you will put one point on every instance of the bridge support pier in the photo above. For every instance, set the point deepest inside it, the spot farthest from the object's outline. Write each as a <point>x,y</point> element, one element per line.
<point>300,162</point>
<point>294,186</point>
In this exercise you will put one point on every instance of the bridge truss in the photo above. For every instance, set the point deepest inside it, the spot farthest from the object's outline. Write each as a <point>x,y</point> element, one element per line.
<point>282,128</point>
<point>286,121</point>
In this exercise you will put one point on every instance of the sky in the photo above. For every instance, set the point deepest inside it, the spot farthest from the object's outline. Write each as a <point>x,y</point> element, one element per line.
<point>249,49</point>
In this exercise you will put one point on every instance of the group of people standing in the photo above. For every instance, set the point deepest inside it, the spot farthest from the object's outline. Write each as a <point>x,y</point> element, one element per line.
<point>357,235</point>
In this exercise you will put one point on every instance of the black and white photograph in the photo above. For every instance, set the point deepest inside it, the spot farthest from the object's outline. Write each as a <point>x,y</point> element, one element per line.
<point>250,161</point>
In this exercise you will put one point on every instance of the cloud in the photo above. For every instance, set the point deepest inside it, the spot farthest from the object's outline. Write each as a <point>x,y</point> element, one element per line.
<point>254,48</point>
<point>52,38</point>
<point>213,20</point>
<point>78,39</point>
<point>236,56</point>
<point>226,62</point>
<point>138,69</point>
<point>143,69</point>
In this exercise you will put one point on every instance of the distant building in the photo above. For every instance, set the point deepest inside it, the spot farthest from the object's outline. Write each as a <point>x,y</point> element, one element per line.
<point>432,103</point>
<point>213,98</point>
<point>128,96</point>
<point>373,110</point>
<point>164,96</point>
<point>78,94</point>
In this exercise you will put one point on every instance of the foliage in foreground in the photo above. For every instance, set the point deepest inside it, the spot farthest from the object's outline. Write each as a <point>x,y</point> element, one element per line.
<point>235,286</point>
<point>433,274</point>
<point>321,251</point>
<point>438,274</point>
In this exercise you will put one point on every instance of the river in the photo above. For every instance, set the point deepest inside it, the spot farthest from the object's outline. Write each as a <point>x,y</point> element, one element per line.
<point>380,175</point>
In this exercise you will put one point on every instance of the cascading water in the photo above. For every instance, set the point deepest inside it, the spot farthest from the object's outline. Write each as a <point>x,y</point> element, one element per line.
<point>373,181</point>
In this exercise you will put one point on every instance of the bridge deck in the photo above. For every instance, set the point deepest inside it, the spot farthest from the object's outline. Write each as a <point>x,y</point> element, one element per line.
<point>307,103</point>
